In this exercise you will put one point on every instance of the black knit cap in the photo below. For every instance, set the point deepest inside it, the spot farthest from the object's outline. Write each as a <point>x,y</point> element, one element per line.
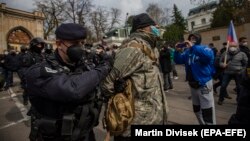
<point>141,21</point>
<point>71,31</point>
<point>197,36</point>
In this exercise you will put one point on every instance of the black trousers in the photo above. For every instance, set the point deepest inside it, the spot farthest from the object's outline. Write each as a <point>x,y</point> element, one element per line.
<point>89,137</point>
<point>120,138</point>
<point>167,81</point>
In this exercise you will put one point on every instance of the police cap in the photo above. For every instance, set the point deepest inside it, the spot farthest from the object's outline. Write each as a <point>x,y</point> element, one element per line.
<point>71,31</point>
<point>36,41</point>
<point>23,48</point>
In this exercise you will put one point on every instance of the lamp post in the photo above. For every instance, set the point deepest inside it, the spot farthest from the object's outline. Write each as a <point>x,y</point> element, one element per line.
<point>126,25</point>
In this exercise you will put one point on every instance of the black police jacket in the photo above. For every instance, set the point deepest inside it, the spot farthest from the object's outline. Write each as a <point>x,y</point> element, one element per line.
<point>242,115</point>
<point>53,90</point>
<point>26,60</point>
<point>30,58</point>
<point>11,62</point>
<point>165,60</point>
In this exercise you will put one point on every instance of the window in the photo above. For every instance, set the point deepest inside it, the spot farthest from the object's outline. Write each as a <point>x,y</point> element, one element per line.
<point>203,21</point>
<point>18,36</point>
<point>216,38</point>
<point>122,32</point>
<point>192,24</point>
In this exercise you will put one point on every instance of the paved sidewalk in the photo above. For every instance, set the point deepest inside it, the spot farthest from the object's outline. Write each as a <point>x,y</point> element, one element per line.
<point>181,111</point>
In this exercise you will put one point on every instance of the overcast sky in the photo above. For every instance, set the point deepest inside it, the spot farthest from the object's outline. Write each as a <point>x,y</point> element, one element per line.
<point>126,6</point>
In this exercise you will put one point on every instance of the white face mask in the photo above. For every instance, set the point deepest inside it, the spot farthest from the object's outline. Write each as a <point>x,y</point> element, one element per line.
<point>232,49</point>
<point>193,42</point>
<point>244,44</point>
<point>88,50</point>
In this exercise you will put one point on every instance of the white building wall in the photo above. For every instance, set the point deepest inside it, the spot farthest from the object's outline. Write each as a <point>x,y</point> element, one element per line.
<point>197,18</point>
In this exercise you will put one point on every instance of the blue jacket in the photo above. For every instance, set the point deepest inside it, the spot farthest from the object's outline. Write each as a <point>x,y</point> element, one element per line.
<point>200,58</point>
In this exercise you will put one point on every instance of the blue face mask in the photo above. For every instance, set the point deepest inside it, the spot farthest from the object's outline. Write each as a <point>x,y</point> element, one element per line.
<point>155,31</point>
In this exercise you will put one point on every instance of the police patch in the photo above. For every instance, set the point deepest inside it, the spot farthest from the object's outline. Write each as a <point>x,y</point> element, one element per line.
<point>49,70</point>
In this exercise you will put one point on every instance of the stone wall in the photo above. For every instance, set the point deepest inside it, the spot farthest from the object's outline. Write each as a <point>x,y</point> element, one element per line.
<point>12,18</point>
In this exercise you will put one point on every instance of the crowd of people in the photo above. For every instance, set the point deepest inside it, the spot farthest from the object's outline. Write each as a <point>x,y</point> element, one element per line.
<point>65,86</point>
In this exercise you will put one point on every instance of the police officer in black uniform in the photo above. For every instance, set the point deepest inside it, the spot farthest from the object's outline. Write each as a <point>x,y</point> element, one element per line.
<point>35,51</point>
<point>29,58</point>
<point>62,91</point>
<point>242,115</point>
<point>21,56</point>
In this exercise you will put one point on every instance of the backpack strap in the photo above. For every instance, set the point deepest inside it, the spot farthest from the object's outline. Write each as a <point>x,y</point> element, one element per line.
<point>81,128</point>
<point>146,50</point>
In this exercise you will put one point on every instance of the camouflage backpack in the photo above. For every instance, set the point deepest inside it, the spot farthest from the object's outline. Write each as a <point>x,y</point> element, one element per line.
<point>120,111</point>
<point>120,108</point>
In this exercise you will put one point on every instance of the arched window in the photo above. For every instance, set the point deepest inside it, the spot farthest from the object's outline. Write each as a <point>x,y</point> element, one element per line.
<point>19,35</point>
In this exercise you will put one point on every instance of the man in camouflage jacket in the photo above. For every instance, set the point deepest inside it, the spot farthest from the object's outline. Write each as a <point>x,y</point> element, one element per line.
<point>140,64</point>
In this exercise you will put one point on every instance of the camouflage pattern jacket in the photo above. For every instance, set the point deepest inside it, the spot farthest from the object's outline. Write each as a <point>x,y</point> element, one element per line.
<point>147,86</point>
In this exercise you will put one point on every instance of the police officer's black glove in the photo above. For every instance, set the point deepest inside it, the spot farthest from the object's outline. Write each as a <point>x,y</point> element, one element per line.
<point>105,65</point>
<point>120,85</point>
<point>106,59</point>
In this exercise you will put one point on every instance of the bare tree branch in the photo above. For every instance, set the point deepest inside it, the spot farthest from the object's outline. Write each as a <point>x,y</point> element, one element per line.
<point>100,20</point>
<point>78,10</point>
<point>115,15</point>
<point>156,13</point>
<point>52,10</point>
<point>95,23</point>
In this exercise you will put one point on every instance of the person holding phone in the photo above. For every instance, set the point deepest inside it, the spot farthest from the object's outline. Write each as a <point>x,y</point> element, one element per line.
<point>198,60</point>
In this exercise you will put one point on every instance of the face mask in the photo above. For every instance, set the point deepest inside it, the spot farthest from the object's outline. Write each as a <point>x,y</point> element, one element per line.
<point>232,49</point>
<point>244,44</point>
<point>193,42</point>
<point>155,31</point>
<point>38,50</point>
<point>88,50</point>
<point>75,53</point>
<point>48,51</point>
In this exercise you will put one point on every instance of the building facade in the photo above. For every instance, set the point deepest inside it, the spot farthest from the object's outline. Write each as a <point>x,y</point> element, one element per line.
<point>18,27</point>
<point>117,36</point>
<point>200,18</point>
<point>217,36</point>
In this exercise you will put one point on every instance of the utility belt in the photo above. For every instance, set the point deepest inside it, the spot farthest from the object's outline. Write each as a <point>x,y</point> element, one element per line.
<point>72,127</point>
<point>194,84</point>
<point>44,128</point>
